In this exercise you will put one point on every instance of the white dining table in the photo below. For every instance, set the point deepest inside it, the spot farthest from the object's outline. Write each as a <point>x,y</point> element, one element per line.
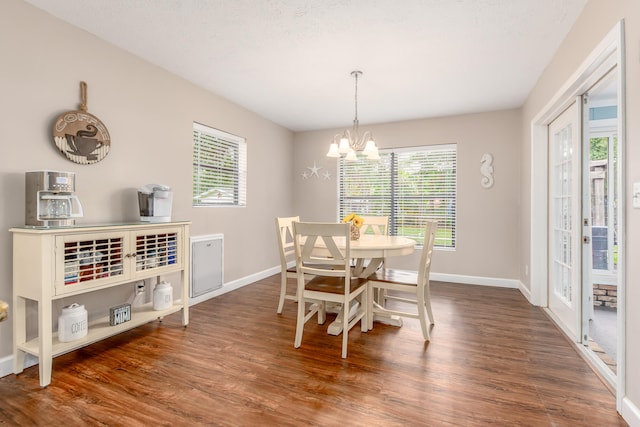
<point>374,248</point>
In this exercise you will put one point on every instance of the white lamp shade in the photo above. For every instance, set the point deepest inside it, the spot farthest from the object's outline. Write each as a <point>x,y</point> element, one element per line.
<point>344,147</point>
<point>370,147</point>
<point>351,156</point>
<point>333,151</point>
<point>373,154</point>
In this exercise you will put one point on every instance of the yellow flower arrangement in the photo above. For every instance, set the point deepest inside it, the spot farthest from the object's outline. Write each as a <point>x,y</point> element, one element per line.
<point>354,219</point>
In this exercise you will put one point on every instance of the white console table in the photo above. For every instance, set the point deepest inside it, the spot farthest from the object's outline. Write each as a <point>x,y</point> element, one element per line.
<point>54,263</point>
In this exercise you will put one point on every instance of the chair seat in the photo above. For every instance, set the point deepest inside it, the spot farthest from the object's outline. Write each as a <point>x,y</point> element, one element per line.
<point>334,285</point>
<point>390,275</point>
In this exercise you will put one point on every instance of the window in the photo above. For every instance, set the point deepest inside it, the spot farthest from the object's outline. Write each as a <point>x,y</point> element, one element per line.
<point>408,185</point>
<point>219,168</point>
<point>603,168</point>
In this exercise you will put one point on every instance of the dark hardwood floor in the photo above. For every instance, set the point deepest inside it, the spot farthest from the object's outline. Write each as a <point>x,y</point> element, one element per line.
<point>493,360</point>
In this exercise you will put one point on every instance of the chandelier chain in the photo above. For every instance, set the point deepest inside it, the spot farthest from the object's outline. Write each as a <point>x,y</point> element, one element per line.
<point>356,95</point>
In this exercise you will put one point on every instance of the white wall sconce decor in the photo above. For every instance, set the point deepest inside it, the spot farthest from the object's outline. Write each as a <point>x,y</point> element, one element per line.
<point>486,169</point>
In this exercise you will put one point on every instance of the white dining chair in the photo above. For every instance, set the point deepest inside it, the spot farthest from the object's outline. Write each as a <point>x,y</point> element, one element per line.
<point>285,244</point>
<point>378,225</point>
<point>414,282</point>
<point>332,281</point>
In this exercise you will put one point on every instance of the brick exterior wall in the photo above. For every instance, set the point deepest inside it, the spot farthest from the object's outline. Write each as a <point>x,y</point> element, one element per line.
<point>605,296</point>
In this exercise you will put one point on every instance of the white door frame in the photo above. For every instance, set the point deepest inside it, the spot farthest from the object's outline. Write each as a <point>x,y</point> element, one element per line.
<point>608,54</point>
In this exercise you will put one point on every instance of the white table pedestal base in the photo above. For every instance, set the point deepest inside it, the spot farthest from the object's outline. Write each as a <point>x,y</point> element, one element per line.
<point>335,328</point>
<point>388,320</point>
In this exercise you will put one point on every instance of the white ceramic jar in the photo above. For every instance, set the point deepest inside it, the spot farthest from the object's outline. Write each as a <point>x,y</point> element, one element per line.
<point>162,296</point>
<point>72,323</point>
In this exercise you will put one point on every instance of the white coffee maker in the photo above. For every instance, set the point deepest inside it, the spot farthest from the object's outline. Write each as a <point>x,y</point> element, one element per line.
<point>155,203</point>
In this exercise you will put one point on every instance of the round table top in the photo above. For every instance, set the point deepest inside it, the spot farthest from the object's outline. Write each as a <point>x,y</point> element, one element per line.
<point>377,246</point>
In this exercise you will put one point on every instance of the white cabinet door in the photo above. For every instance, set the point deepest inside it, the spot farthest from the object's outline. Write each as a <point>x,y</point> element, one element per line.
<point>89,261</point>
<point>156,251</point>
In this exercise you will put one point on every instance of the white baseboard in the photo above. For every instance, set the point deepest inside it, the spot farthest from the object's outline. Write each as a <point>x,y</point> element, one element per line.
<point>475,280</point>
<point>526,292</point>
<point>6,364</point>
<point>630,413</point>
<point>453,278</point>
<point>236,284</point>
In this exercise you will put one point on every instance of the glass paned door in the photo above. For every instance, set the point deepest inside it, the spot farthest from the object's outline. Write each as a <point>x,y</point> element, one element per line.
<point>564,217</point>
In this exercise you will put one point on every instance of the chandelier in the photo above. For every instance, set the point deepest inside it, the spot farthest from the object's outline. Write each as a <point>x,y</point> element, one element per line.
<point>350,141</point>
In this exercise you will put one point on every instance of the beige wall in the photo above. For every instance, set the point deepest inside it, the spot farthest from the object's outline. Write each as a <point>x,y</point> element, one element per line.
<point>487,223</point>
<point>597,19</point>
<point>149,114</point>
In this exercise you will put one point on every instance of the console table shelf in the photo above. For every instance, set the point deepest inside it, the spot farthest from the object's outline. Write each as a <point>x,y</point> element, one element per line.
<point>54,263</point>
<point>100,329</point>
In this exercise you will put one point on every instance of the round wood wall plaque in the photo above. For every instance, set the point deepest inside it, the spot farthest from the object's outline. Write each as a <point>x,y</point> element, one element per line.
<point>81,136</point>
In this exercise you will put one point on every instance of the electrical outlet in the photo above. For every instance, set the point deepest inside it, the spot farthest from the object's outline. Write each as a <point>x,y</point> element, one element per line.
<point>140,288</point>
<point>138,297</point>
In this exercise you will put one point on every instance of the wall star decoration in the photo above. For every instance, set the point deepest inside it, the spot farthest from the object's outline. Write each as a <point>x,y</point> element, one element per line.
<point>486,169</point>
<point>81,136</point>
<point>314,171</point>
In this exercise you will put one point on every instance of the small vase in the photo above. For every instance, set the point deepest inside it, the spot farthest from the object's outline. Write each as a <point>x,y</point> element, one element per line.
<point>355,232</point>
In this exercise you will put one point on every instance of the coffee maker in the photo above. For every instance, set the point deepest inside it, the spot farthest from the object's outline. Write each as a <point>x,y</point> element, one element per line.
<point>155,203</point>
<point>50,199</point>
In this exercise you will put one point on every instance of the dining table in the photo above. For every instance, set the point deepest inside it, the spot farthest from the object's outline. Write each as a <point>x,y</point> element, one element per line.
<point>369,253</point>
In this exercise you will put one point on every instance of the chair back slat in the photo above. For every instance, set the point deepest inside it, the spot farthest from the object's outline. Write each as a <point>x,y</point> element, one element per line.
<point>427,251</point>
<point>284,228</point>
<point>378,225</point>
<point>319,249</point>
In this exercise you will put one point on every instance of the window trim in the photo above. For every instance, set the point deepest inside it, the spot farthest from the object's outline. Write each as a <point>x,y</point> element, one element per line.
<point>238,174</point>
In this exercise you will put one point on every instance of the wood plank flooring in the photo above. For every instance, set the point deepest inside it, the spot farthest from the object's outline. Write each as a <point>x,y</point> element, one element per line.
<point>493,360</point>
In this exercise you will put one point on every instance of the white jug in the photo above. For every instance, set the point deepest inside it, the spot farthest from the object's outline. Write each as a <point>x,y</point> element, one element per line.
<point>162,296</point>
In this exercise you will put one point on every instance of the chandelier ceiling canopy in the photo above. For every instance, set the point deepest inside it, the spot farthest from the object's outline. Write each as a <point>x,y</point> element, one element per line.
<point>347,143</point>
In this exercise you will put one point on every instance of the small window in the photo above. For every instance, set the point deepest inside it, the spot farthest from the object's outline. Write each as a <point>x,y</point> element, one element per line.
<point>219,168</point>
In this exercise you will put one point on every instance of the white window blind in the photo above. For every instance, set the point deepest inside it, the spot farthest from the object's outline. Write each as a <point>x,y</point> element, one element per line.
<point>408,185</point>
<point>219,168</point>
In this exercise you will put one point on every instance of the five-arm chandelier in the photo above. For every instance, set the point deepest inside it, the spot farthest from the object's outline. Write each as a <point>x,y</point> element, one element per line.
<point>350,142</point>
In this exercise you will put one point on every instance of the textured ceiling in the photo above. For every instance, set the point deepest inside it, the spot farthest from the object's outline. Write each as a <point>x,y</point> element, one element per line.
<point>290,60</point>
